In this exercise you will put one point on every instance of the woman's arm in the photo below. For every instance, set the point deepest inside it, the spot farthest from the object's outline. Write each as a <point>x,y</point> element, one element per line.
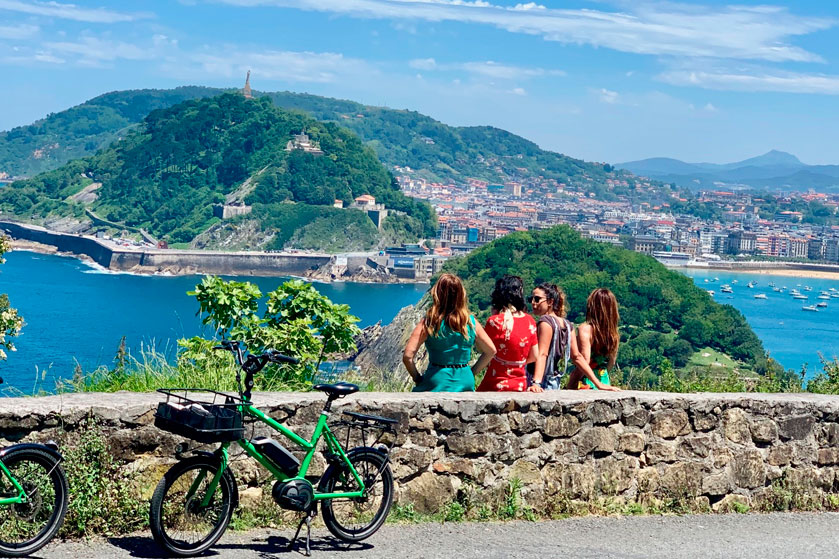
<point>485,346</point>
<point>417,338</point>
<point>543,348</point>
<point>582,358</point>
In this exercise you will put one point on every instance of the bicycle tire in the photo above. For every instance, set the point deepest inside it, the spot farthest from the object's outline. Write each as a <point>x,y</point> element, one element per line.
<point>40,474</point>
<point>372,465</point>
<point>162,510</point>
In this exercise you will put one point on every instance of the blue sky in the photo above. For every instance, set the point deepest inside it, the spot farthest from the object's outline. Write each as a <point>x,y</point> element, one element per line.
<point>600,80</point>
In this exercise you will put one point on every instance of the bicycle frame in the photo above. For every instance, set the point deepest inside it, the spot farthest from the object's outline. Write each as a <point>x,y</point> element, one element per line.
<point>21,493</point>
<point>321,430</point>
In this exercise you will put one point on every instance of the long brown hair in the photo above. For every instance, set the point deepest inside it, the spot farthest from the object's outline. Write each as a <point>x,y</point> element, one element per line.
<point>602,315</point>
<point>556,295</point>
<point>449,304</point>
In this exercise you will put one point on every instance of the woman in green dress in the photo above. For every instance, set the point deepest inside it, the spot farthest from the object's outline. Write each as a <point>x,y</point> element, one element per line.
<point>597,340</point>
<point>448,331</point>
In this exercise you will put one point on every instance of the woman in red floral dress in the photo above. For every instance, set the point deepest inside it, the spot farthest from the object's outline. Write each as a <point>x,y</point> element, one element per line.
<point>513,332</point>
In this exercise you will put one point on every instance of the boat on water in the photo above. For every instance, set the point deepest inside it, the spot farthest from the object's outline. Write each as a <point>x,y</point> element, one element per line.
<point>734,281</point>
<point>823,297</point>
<point>716,279</point>
<point>834,295</point>
<point>711,292</point>
<point>807,288</point>
<point>832,289</point>
<point>776,289</point>
<point>810,308</point>
<point>760,296</point>
<point>751,284</point>
<point>771,284</point>
<point>706,280</point>
<point>798,296</point>
<point>821,305</point>
<point>726,289</point>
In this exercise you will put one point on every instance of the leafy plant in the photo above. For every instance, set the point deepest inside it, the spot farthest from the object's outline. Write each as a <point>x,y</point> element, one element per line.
<point>11,322</point>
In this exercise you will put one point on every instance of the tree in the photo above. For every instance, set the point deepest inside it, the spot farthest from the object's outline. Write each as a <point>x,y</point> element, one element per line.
<point>10,321</point>
<point>297,321</point>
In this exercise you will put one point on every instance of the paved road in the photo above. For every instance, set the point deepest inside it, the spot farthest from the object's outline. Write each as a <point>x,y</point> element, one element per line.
<point>775,536</point>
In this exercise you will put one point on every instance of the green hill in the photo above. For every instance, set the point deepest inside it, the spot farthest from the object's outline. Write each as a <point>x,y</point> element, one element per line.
<point>663,314</point>
<point>399,138</point>
<point>166,175</point>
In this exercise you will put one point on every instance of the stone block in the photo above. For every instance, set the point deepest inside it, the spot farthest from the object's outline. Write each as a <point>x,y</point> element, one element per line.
<point>780,455</point>
<point>593,439</point>
<point>632,443</point>
<point>602,413</point>
<point>561,425</point>
<point>796,428</point>
<point>828,456</point>
<point>616,475</point>
<point>527,472</point>
<point>524,423</point>
<point>493,423</point>
<point>764,430</point>
<point>717,484</point>
<point>429,493</point>
<point>648,480</point>
<point>636,417</point>
<point>736,426</point>
<point>705,420</point>
<point>748,469</point>
<point>467,445</point>
<point>698,445</point>
<point>463,466</point>
<point>682,478</point>
<point>729,503</point>
<point>409,461</point>
<point>660,452</point>
<point>531,441</point>
<point>829,434</point>
<point>669,424</point>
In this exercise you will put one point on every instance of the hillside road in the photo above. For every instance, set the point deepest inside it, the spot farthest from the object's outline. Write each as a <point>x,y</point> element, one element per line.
<point>736,536</point>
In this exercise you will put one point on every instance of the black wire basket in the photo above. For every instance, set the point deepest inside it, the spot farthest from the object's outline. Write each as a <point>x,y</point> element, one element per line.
<point>202,415</point>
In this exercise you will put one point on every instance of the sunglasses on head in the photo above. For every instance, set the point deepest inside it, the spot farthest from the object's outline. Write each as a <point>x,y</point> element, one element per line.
<point>533,299</point>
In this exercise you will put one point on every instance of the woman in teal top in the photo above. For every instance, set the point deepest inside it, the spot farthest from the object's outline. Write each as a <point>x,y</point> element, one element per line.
<point>448,332</point>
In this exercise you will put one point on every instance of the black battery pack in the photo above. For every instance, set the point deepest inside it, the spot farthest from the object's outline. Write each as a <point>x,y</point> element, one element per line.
<point>277,454</point>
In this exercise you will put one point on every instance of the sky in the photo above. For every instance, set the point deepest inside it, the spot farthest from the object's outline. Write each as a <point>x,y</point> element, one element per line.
<point>610,81</point>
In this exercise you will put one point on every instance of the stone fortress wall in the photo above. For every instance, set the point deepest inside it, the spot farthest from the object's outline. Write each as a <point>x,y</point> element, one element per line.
<point>564,448</point>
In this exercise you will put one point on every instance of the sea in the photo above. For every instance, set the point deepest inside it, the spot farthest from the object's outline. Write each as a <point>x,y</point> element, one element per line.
<point>76,314</point>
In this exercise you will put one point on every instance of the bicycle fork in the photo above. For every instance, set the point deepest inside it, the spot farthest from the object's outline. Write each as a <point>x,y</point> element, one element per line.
<point>221,454</point>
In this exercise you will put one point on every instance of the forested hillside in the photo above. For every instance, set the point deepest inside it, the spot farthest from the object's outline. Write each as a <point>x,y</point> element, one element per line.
<point>82,130</point>
<point>663,314</point>
<point>399,138</point>
<point>166,175</point>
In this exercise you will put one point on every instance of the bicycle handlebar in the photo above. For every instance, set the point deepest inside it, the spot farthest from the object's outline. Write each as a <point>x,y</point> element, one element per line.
<point>253,363</point>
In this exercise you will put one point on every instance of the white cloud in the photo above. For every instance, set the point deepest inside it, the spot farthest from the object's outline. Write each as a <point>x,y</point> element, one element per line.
<point>661,28</point>
<point>519,91</point>
<point>17,32</point>
<point>70,11</point>
<point>487,69</point>
<point>711,108</point>
<point>292,66</point>
<point>786,82</point>
<point>607,96</point>
<point>423,64</point>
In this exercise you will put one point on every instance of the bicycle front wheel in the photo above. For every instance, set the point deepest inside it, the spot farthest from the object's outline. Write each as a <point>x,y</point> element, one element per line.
<point>181,522</point>
<point>28,526</point>
<point>357,519</point>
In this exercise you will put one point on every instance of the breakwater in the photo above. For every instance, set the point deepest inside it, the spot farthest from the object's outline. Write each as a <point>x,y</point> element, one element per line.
<point>179,262</point>
<point>562,450</point>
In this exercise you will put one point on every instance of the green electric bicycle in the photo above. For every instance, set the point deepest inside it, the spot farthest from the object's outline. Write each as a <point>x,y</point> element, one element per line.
<point>33,497</point>
<point>193,503</point>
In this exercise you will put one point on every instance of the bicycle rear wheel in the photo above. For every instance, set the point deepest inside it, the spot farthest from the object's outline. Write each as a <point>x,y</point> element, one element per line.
<point>357,519</point>
<point>28,526</point>
<point>179,522</point>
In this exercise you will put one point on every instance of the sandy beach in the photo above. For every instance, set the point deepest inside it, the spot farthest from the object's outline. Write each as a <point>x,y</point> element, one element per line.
<point>814,274</point>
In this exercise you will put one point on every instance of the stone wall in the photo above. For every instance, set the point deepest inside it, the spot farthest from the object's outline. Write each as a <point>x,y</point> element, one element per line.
<point>566,448</point>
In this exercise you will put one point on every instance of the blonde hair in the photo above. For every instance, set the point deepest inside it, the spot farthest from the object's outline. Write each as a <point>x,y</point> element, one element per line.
<point>602,315</point>
<point>449,305</point>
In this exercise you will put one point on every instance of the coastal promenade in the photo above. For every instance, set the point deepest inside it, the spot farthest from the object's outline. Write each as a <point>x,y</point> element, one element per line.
<point>144,260</point>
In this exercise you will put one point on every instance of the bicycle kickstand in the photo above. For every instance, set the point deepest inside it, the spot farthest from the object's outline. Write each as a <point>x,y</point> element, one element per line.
<point>307,520</point>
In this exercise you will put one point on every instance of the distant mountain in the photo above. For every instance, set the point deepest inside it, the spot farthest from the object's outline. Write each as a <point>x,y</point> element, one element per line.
<point>399,138</point>
<point>167,174</point>
<point>773,170</point>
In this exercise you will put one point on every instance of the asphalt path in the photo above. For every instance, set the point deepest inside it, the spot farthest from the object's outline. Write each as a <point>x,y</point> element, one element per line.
<point>741,536</point>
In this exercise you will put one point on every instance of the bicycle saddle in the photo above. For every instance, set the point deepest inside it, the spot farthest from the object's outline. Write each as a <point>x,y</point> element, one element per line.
<point>338,389</point>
